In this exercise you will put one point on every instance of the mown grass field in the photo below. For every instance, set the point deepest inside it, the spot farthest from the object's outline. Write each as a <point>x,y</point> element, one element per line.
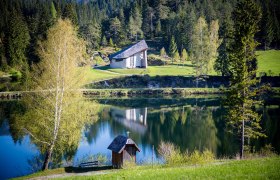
<point>263,168</point>
<point>268,62</point>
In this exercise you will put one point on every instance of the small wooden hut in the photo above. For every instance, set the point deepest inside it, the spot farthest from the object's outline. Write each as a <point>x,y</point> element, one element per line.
<point>123,149</point>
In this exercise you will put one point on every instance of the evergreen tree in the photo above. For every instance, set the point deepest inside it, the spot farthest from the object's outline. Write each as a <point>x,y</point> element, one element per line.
<point>135,23</point>
<point>184,56</point>
<point>146,20</point>
<point>18,40</point>
<point>267,31</point>
<point>53,11</point>
<point>241,96</point>
<point>176,56</point>
<point>172,48</point>
<point>91,34</point>
<point>70,13</point>
<point>222,63</point>
<point>111,43</point>
<point>162,52</point>
<point>115,30</point>
<point>104,41</point>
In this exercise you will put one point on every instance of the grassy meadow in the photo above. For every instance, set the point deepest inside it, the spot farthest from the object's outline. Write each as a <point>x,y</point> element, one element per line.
<point>268,62</point>
<point>260,168</point>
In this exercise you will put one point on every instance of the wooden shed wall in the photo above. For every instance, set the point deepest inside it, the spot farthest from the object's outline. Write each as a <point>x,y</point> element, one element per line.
<point>117,159</point>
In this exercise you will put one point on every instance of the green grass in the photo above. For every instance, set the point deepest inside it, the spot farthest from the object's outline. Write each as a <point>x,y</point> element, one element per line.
<point>97,75</point>
<point>168,70</point>
<point>245,169</point>
<point>262,168</point>
<point>269,62</point>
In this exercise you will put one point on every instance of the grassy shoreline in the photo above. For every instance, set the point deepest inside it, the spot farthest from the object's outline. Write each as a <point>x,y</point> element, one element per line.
<point>259,168</point>
<point>150,91</point>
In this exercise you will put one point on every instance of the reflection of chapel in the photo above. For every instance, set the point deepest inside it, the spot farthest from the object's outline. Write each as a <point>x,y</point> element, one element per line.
<point>134,119</point>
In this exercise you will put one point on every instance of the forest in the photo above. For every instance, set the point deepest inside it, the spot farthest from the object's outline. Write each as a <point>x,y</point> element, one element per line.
<point>169,24</point>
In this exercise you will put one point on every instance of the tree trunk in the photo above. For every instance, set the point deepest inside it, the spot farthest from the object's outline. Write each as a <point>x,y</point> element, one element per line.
<point>48,158</point>
<point>242,141</point>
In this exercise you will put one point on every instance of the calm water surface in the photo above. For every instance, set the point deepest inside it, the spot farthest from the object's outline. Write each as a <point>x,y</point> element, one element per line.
<point>189,123</point>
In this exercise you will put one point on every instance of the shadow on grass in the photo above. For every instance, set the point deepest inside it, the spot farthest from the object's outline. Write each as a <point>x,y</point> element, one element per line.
<point>183,65</point>
<point>103,67</point>
<point>71,169</point>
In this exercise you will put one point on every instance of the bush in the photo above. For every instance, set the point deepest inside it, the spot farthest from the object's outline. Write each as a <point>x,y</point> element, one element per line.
<point>15,75</point>
<point>172,155</point>
<point>154,60</point>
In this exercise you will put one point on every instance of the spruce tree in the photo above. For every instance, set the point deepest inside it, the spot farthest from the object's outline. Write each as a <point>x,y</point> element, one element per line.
<point>172,48</point>
<point>184,56</point>
<point>111,43</point>
<point>241,96</point>
<point>162,52</point>
<point>18,40</point>
<point>115,29</point>
<point>104,41</point>
<point>70,13</point>
<point>222,63</point>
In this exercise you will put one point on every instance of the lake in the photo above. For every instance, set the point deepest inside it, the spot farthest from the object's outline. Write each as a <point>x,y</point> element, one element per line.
<point>190,123</point>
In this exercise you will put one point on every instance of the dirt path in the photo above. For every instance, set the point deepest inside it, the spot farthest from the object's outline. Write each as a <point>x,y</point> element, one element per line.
<point>65,175</point>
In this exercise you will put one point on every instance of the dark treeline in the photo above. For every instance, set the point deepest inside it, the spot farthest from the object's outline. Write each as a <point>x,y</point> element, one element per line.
<point>24,23</point>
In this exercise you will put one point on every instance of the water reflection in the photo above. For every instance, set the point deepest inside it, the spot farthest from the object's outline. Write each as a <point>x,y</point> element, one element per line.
<point>189,123</point>
<point>133,119</point>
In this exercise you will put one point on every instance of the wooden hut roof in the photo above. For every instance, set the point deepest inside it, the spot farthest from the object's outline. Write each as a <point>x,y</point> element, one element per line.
<point>119,143</point>
<point>130,50</point>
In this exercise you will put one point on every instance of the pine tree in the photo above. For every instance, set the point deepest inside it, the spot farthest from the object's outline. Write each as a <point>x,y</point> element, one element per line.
<point>266,34</point>
<point>184,56</point>
<point>176,56</point>
<point>91,34</point>
<point>146,20</point>
<point>53,11</point>
<point>172,48</point>
<point>111,43</point>
<point>115,30</point>
<point>162,52</point>
<point>241,96</point>
<point>222,64</point>
<point>18,40</point>
<point>104,41</point>
<point>70,13</point>
<point>135,23</point>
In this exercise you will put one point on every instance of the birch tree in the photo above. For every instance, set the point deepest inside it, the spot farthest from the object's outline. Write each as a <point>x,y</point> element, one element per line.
<point>58,109</point>
<point>200,47</point>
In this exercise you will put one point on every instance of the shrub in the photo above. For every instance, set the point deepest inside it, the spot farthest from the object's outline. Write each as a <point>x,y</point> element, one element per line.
<point>267,151</point>
<point>154,60</point>
<point>15,75</point>
<point>172,155</point>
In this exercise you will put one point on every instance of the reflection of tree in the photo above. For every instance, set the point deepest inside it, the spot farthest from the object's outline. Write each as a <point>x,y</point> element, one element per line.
<point>36,121</point>
<point>188,128</point>
<point>57,112</point>
<point>272,125</point>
